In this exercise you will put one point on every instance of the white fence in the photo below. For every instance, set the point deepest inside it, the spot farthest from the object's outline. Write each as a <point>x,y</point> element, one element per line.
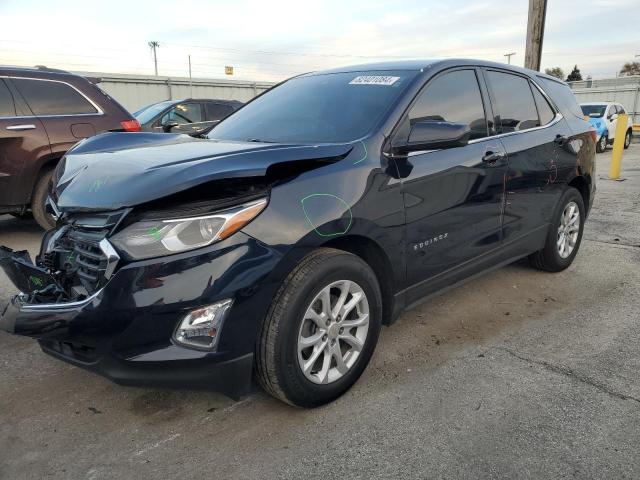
<point>624,90</point>
<point>137,91</point>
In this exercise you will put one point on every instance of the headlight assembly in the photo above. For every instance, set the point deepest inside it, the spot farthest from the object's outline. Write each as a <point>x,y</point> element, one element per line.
<point>155,238</point>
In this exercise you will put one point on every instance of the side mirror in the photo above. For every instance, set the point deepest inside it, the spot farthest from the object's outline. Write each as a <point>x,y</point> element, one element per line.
<point>613,116</point>
<point>434,135</point>
<point>169,125</point>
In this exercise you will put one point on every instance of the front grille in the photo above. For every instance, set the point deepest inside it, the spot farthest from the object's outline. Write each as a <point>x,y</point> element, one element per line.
<point>90,260</point>
<point>86,255</point>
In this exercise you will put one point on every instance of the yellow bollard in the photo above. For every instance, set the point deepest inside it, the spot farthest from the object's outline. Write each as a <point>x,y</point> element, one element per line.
<point>618,147</point>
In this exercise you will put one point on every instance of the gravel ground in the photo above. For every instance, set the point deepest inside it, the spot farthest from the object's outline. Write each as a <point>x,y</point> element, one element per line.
<point>517,374</point>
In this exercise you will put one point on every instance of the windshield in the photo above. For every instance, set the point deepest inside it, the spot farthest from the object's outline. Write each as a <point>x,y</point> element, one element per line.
<point>148,113</point>
<point>326,108</point>
<point>595,111</point>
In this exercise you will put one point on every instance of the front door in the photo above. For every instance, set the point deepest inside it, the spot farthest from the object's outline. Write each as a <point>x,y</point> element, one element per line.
<point>453,197</point>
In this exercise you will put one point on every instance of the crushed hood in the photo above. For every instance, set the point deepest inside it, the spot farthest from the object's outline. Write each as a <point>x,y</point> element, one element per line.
<point>116,170</point>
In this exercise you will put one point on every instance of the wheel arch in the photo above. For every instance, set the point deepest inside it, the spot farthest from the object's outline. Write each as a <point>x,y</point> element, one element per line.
<point>373,255</point>
<point>583,185</point>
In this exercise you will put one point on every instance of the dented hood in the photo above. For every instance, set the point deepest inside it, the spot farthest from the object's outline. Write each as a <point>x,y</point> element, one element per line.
<point>115,170</point>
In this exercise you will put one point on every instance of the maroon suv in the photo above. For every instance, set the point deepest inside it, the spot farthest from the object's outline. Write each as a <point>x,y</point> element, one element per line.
<point>43,112</point>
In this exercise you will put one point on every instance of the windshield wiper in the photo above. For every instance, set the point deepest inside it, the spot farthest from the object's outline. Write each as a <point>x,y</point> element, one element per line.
<point>257,140</point>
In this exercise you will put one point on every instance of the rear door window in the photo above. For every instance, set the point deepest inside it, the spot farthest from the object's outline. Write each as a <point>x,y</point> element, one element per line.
<point>218,111</point>
<point>545,112</point>
<point>452,97</point>
<point>7,106</point>
<point>53,98</point>
<point>513,102</point>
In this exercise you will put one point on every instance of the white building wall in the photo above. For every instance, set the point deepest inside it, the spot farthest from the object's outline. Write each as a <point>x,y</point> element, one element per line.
<point>136,91</point>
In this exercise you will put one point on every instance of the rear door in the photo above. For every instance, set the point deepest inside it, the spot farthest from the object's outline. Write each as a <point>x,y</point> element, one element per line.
<point>217,111</point>
<point>23,141</point>
<point>67,114</point>
<point>453,197</point>
<point>535,137</point>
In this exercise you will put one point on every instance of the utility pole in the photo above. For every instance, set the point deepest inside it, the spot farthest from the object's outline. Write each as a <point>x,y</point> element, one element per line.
<point>509,55</point>
<point>535,33</point>
<point>190,80</point>
<point>153,45</point>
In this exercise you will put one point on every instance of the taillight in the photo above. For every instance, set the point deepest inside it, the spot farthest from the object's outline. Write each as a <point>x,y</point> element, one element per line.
<point>593,133</point>
<point>130,125</point>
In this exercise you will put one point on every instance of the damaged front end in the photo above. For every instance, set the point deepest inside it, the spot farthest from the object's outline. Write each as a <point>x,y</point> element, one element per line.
<point>76,260</point>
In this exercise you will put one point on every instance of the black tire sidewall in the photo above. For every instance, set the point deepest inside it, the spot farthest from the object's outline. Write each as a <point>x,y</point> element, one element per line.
<point>297,387</point>
<point>627,139</point>
<point>602,139</point>
<point>40,193</point>
<point>570,195</point>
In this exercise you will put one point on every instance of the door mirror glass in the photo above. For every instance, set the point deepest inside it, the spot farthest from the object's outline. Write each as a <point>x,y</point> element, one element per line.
<point>432,135</point>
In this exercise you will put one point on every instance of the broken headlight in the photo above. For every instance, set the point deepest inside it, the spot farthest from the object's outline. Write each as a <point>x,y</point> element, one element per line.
<point>155,238</point>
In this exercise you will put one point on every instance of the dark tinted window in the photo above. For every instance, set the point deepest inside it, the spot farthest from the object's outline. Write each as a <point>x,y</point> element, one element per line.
<point>595,111</point>
<point>621,109</point>
<point>513,102</point>
<point>323,108</point>
<point>52,98</point>
<point>7,107</point>
<point>452,97</point>
<point>562,97</point>
<point>612,110</point>
<point>218,111</point>
<point>545,111</point>
<point>184,113</point>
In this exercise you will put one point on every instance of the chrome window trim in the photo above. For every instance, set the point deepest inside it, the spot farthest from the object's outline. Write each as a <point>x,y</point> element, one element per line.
<point>98,111</point>
<point>556,119</point>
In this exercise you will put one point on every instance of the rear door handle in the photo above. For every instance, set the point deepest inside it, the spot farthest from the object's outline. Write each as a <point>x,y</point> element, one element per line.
<point>492,157</point>
<point>26,126</point>
<point>560,139</point>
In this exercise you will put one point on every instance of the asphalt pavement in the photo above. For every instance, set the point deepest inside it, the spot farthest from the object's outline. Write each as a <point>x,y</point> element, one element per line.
<point>517,374</point>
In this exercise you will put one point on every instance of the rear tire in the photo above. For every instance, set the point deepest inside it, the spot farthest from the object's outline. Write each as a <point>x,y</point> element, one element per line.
<point>341,344</point>
<point>627,139</point>
<point>565,234</point>
<point>40,194</point>
<point>601,146</point>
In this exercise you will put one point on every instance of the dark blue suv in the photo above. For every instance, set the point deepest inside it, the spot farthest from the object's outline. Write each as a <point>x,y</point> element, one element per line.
<point>276,245</point>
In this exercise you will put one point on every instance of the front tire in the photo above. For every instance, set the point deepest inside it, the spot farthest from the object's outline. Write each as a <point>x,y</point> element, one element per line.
<point>321,329</point>
<point>627,139</point>
<point>565,234</point>
<point>601,146</point>
<point>40,194</point>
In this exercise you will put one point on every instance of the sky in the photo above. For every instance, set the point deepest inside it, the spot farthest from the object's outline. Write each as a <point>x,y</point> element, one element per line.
<point>273,40</point>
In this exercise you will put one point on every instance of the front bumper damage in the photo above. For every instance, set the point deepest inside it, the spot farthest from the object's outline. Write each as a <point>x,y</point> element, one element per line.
<point>124,330</point>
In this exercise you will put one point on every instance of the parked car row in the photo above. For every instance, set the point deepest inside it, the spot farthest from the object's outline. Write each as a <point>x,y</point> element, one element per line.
<point>603,117</point>
<point>44,112</point>
<point>277,244</point>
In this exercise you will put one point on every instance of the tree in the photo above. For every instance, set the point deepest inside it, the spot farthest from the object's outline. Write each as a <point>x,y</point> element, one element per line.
<point>555,72</point>
<point>575,75</point>
<point>630,68</point>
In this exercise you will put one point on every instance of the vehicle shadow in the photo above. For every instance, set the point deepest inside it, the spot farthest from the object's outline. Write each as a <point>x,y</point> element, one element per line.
<point>20,234</point>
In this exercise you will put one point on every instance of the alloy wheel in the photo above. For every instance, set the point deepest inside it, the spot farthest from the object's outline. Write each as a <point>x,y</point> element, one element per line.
<point>333,332</point>
<point>603,143</point>
<point>568,229</point>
